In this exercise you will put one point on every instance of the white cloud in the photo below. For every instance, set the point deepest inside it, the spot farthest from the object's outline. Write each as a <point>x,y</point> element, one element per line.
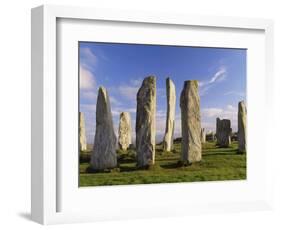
<point>161,92</point>
<point>88,108</point>
<point>88,58</point>
<point>211,112</point>
<point>161,113</point>
<point>219,76</point>
<point>136,82</point>
<point>87,79</point>
<point>90,95</point>
<point>209,126</point>
<point>177,131</point>
<point>130,92</point>
<point>117,110</point>
<point>113,100</point>
<point>160,126</point>
<point>209,115</point>
<point>229,112</point>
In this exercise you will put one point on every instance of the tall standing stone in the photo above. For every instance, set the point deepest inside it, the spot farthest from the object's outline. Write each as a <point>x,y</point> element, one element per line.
<point>203,135</point>
<point>223,132</point>
<point>190,123</point>
<point>104,152</point>
<point>170,119</point>
<point>124,131</point>
<point>145,122</point>
<point>242,119</point>
<point>82,132</point>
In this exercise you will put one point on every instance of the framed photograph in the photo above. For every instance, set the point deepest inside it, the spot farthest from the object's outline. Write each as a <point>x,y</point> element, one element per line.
<point>140,114</point>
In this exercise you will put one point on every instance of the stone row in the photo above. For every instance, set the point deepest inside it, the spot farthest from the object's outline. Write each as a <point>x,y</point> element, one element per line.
<point>104,152</point>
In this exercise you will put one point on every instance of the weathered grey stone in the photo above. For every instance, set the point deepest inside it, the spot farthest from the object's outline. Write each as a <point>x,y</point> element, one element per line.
<point>190,123</point>
<point>82,132</point>
<point>170,119</point>
<point>242,119</point>
<point>125,131</point>
<point>145,122</point>
<point>203,135</point>
<point>104,152</point>
<point>223,132</point>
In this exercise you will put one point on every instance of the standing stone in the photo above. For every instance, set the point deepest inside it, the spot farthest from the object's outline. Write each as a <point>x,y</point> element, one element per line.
<point>223,132</point>
<point>82,132</point>
<point>125,131</point>
<point>170,120</point>
<point>190,123</point>
<point>145,122</point>
<point>203,135</point>
<point>242,118</point>
<point>104,153</point>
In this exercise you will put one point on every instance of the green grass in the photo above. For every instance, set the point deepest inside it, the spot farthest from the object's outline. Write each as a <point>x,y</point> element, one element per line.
<point>217,164</point>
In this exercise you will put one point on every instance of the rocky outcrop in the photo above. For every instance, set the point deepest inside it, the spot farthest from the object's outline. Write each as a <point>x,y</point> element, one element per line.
<point>82,132</point>
<point>190,123</point>
<point>145,122</point>
<point>104,151</point>
<point>124,131</point>
<point>223,132</point>
<point>242,119</point>
<point>170,118</point>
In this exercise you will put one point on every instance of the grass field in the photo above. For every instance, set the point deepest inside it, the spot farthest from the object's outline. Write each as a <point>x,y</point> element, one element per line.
<point>217,164</point>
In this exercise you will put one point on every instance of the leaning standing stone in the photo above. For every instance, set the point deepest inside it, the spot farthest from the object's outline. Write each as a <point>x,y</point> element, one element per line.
<point>242,117</point>
<point>82,132</point>
<point>203,135</point>
<point>170,120</point>
<point>223,132</point>
<point>125,130</point>
<point>145,122</point>
<point>104,153</point>
<point>190,123</point>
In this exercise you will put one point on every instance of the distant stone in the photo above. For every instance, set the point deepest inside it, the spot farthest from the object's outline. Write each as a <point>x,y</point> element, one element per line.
<point>145,123</point>
<point>210,136</point>
<point>104,152</point>
<point>203,135</point>
<point>170,118</point>
<point>125,131</point>
<point>242,119</point>
<point>223,132</point>
<point>190,123</point>
<point>82,132</point>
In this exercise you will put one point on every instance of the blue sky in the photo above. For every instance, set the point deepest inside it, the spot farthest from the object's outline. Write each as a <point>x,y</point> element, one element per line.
<point>121,68</point>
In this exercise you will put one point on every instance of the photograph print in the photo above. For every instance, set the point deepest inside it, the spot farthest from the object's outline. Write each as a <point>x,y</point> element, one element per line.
<point>161,114</point>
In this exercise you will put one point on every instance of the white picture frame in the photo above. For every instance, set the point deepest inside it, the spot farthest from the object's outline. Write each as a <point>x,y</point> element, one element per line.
<point>50,192</point>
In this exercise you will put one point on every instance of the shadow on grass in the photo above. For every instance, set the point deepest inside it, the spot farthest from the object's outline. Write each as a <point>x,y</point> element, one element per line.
<point>221,153</point>
<point>126,161</point>
<point>170,166</point>
<point>178,164</point>
<point>128,168</point>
